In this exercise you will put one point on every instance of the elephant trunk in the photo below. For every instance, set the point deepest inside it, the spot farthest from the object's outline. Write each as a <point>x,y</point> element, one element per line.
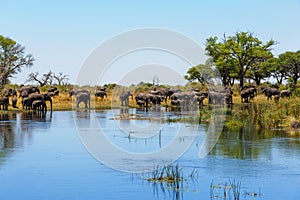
<point>50,104</point>
<point>90,101</point>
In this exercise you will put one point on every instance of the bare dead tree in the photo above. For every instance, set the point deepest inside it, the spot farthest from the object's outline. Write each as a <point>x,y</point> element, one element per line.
<point>46,78</point>
<point>61,78</point>
<point>155,80</point>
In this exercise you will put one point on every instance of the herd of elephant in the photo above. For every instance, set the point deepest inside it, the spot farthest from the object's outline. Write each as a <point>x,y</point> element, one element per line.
<point>248,93</point>
<point>33,99</point>
<point>196,97</point>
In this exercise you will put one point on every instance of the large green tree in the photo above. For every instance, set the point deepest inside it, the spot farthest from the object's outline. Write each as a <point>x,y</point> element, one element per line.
<point>237,54</point>
<point>12,59</point>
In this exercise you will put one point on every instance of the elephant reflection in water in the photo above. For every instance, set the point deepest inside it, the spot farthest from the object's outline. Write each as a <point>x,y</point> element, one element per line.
<point>17,129</point>
<point>7,138</point>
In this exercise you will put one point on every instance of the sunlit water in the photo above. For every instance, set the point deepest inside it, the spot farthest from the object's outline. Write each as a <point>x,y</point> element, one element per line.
<point>45,159</point>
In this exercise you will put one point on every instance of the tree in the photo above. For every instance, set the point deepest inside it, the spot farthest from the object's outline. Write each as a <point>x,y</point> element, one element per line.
<point>202,73</point>
<point>46,78</point>
<point>276,69</point>
<point>12,59</point>
<point>259,71</point>
<point>155,80</point>
<point>238,53</point>
<point>60,78</point>
<point>291,61</point>
<point>286,66</point>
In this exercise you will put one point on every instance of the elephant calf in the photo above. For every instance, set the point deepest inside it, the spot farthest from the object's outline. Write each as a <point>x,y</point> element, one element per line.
<point>276,97</point>
<point>39,105</point>
<point>285,93</point>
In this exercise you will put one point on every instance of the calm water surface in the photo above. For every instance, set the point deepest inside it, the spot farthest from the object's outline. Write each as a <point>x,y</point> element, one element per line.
<point>45,159</point>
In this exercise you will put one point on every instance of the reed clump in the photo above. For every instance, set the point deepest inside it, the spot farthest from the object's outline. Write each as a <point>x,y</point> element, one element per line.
<point>171,175</point>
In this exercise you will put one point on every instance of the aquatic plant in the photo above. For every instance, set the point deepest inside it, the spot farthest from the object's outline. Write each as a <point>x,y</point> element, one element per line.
<point>169,174</point>
<point>230,190</point>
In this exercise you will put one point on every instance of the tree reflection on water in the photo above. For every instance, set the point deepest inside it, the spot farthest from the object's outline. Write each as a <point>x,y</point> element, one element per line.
<point>16,129</point>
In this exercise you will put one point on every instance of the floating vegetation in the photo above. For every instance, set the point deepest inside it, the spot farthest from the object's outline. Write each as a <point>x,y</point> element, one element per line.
<point>169,179</point>
<point>168,174</point>
<point>231,190</point>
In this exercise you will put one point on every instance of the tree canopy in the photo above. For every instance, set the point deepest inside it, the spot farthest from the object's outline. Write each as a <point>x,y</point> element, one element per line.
<point>234,56</point>
<point>291,62</point>
<point>12,59</point>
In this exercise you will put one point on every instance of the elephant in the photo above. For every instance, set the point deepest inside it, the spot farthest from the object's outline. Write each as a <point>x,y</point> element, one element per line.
<point>199,99</point>
<point>27,90</point>
<point>285,93</point>
<point>85,98</point>
<point>215,97</point>
<point>25,103</point>
<point>14,102</point>
<point>140,103</point>
<point>124,97</point>
<point>160,92</point>
<point>186,96</point>
<point>175,102</point>
<point>187,99</point>
<point>74,92</point>
<point>4,102</point>
<point>52,89</point>
<point>169,92</point>
<point>295,125</point>
<point>24,94</point>
<point>9,92</point>
<point>14,93</point>
<point>98,88</point>
<point>155,99</point>
<point>39,105</point>
<point>42,97</point>
<point>143,100</point>
<point>203,93</point>
<point>228,98</point>
<point>269,92</point>
<point>53,94</point>
<point>100,93</point>
<point>247,94</point>
<point>276,98</point>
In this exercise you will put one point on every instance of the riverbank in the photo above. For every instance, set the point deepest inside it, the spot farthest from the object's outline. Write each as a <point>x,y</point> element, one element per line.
<point>263,113</point>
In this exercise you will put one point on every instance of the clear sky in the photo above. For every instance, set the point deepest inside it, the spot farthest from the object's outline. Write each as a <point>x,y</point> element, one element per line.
<point>62,34</point>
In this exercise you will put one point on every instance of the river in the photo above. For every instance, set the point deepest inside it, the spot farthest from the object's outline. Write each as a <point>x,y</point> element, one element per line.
<point>48,158</point>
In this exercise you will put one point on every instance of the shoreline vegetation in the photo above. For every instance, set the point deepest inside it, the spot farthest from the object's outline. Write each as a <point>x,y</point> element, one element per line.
<point>261,113</point>
<point>243,64</point>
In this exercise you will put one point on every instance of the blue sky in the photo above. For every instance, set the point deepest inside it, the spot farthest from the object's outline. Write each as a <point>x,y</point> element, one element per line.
<point>62,34</point>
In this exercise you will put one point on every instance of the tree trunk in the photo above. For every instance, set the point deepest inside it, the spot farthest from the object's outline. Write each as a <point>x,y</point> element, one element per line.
<point>257,81</point>
<point>241,75</point>
<point>3,81</point>
<point>241,78</point>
